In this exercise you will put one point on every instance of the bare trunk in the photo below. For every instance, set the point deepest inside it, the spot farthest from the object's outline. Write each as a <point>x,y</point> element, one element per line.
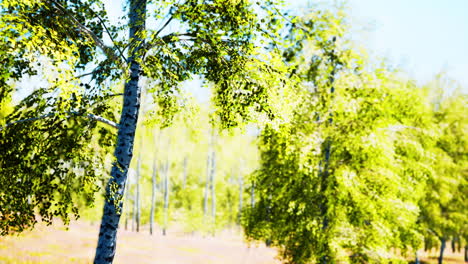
<point>166,188</point>
<point>466,253</point>
<point>105,250</point>
<point>325,173</point>
<point>137,194</point>
<point>241,191</point>
<point>153,186</point>
<point>213,193</point>
<point>134,212</point>
<point>207,182</point>
<point>153,197</point>
<point>442,248</point>
<point>184,180</point>
<point>252,195</point>
<point>416,260</point>
<point>127,199</point>
<point>166,196</point>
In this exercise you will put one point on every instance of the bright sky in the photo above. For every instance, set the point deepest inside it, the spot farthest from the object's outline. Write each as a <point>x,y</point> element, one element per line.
<point>423,37</point>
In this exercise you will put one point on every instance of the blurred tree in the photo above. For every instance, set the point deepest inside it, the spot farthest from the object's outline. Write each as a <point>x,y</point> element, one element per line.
<point>444,208</point>
<point>341,181</point>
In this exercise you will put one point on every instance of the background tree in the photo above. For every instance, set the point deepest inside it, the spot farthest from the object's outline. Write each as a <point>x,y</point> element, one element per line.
<point>341,181</point>
<point>443,208</point>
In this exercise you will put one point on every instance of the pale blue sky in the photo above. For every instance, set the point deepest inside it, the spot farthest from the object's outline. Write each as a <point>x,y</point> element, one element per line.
<point>424,37</point>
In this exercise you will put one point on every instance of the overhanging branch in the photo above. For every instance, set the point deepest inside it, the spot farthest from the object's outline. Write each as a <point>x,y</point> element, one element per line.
<point>89,115</point>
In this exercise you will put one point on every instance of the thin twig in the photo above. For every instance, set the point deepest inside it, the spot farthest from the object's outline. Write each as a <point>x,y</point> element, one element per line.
<point>292,23</point>
<point>165,25</point>
<point>110,35</point>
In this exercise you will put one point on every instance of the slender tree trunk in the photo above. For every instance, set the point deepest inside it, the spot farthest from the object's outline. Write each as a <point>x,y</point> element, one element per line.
<point>426,245</point>
<point>416,260</point>
<point>127,199</point>
<point>325,173</point>
<point>205,200</point>
<point>105,250</point>
<point>252,195</point>
<point>241,191</point>
<point>230,206</point>
<point>166,192</point>
<point>213,191</point>
<point>134,213</point>
<point>154,185</point>
<point>185,166</point>
<point>268,212</point>
<point>466,253</point>
<point>442,248</point>
<point>166,196</point>
<point>323,206</point>
<point>137,194</point>
<point>153,196</point>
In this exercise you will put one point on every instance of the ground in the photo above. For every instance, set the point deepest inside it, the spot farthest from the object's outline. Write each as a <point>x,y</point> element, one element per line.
<point>55,244</point>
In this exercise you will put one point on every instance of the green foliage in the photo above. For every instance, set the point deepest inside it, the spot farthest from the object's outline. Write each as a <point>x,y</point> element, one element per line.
<point>354,160</point>
<point>51,166</point>
<point>341,182</point>
<point>61,41</point>
<point>444,206</point>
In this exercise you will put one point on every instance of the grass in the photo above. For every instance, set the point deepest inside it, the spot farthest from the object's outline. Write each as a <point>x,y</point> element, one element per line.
<point>56,244</point>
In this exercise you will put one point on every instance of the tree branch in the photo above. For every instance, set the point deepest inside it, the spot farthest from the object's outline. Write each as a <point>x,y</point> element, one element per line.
<point>112,95</point>
<point>101,21</point>
<point>103,120</point>
<point>90,116</point>
<point>165,25</point>
<point>155,42</point>
<point>289,20</point>
<point>99,43</point>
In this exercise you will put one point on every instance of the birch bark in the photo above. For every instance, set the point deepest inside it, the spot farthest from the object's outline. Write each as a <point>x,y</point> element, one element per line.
<point>105,250</point>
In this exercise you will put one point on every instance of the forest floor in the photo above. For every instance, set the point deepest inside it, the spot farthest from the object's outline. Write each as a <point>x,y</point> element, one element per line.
<point>55,244</point>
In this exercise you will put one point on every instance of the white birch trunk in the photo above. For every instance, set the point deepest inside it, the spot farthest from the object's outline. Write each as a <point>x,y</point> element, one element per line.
<point>105,250</point>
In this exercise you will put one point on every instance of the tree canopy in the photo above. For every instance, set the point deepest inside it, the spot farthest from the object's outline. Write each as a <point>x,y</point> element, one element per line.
<point>347,179</point>
<point>357,163</point>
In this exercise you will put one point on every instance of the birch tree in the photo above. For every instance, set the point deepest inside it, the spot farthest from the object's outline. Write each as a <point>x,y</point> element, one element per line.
<point>213,190</point>
<point>154,182</point>
<point>166,191</point>
<point>213,38</point>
